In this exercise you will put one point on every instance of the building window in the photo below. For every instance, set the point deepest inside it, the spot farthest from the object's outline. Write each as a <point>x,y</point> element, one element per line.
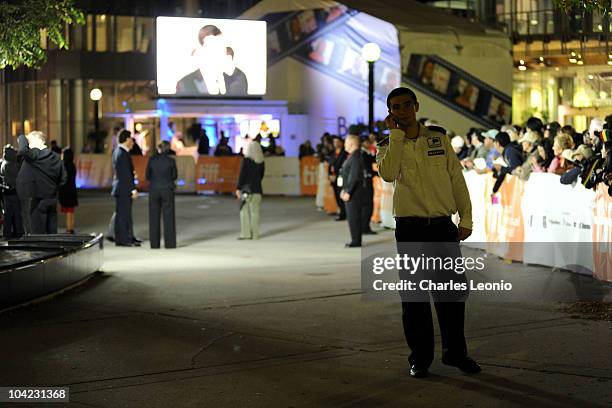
<point>76,37</point>
<point>101,33</point>
<point>145,31</point>
<point>124,29</point>
<point>89,27</point>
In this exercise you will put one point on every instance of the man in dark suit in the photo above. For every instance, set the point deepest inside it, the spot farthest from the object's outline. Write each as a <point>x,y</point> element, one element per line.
<point>352,188</point>
<point>124,190</point>
<point>41,173</point>
<point>336,161</point>
<point>162,173</point>
<point>368,187</point>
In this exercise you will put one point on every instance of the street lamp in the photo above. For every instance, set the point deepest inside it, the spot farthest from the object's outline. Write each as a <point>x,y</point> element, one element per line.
<point>95,95</point>
<point>371,53</point>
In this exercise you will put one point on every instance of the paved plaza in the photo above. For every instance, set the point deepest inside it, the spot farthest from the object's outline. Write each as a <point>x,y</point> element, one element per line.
<point>278,322</point>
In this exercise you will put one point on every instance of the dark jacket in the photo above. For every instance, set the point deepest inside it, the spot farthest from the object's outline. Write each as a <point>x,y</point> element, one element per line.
<point>513,155</point>
<point>236,84</point>
<point>190,85</point>
<point>368,170</point>
<point>123,182</point>
<point>41,173</point>
<point>161,172</point>
<point>68,192</point>
<point>250,177</point>
<point>336,162</point>
<point>352,174</point>
<point>9,169</point>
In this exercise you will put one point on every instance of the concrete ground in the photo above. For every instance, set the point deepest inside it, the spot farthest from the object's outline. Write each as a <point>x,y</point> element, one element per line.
<point>278,322</point>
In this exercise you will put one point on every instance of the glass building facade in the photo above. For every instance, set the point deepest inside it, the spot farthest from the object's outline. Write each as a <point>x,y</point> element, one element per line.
<point>113,51</point>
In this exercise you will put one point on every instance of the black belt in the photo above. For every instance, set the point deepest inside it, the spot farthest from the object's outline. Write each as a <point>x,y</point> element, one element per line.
<point>423,220</point>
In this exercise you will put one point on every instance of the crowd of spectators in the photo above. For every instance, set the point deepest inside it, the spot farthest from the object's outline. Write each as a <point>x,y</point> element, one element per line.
<point>538,147</point>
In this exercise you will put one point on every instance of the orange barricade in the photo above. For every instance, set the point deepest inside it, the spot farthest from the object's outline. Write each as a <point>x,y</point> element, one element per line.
<point>602,234</point>
<point>504,220</point>
<point>377,183</point>
<point>309,167</point>
<point>217,173</point>
<point>140,168</point>
<point>329,199</point>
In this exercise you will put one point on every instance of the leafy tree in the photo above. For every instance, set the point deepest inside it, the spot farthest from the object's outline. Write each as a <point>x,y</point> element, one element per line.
<point>21,24</point>
<point>569,6</point>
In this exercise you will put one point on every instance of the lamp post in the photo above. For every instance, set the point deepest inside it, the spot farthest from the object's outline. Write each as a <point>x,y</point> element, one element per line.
<point>371,53</point>
<point>95,95</point>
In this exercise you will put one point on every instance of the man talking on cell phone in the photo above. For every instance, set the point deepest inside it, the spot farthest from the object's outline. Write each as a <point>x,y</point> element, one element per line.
<point>429,188</point>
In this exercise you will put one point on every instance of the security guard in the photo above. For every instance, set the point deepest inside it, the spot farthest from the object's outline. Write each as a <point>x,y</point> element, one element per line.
<point>351,184</point>
<point>429,188</point>
<point>367,205</point>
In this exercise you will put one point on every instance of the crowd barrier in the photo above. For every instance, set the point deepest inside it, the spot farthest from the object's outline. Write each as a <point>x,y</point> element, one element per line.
<point>539,210</point>
<point>283,175</point>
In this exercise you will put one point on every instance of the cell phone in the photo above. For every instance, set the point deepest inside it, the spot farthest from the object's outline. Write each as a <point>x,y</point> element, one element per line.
<point>394,120</point>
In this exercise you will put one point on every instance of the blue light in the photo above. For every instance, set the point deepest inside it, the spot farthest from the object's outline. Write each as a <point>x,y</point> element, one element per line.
<point>201,181</point>
<point>124,103</point>
<point>180,183</point>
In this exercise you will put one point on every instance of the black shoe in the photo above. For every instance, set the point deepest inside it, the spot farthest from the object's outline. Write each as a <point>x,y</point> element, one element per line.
<point>138,241</point>
<point>465,364</point>
<point>129,244</point>
<point>370,232</point>
<point>418,372</point>
<point>340,218</point>
<point>352,245</point>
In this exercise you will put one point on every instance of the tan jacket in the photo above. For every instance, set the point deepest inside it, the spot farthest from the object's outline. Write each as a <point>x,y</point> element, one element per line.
<point>427,176</point>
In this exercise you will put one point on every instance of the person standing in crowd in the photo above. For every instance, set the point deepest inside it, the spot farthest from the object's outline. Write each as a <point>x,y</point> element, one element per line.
<point>489,143</point>
<point>529,143</point>
<point>306,150</point>
<point>9,169</point>
<point>325,148</point>
<point>479,149</point>
<point>162,174</point>
<point>68,192</point>
<point>336,161</point>
<point>429,188</point>
<point>55,148</point>
<point>249,190</point>
<point>41,173</point>
<point>203,143</point>
<point>223,148</point>
<point>545,156</point>
<point>124,190</point>
<point>562,142</point>
<point>351,181</point>
<point>512,155</point>
<point>367,207</point>
<point>459,147</point>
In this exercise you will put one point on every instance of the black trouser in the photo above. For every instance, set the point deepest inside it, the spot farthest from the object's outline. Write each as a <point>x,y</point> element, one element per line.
<point>13,222</point>
<point>416,316</point>
<point>367,206</point>
<point>123,220</point>
<point>353,213</point>
<point>339,201</point>
<point>26,210</point>
<point>161,203</point>
<point>44,215</point>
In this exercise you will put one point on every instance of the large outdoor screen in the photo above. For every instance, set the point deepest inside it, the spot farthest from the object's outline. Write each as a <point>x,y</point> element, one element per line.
<point>202,57</point>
